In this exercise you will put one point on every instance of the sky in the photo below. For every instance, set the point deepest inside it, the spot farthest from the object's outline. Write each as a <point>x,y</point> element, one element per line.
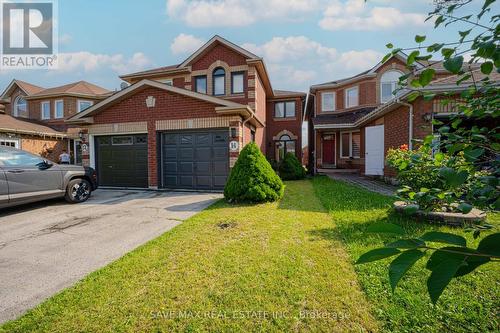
<point>303,42</point>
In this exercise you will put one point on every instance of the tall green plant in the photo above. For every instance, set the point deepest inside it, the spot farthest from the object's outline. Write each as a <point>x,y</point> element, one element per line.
<point>478,144</point>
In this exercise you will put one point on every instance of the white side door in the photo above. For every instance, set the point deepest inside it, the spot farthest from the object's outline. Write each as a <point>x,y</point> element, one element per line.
<point>374,150</point>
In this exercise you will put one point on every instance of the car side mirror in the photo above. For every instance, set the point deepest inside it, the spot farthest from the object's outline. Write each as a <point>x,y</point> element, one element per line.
<point>44,165</point>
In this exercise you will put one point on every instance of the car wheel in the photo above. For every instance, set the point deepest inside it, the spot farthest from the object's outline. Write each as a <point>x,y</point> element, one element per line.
<point>78,190</point>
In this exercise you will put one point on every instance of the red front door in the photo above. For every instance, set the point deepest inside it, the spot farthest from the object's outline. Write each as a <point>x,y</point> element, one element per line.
<point>329,149</point>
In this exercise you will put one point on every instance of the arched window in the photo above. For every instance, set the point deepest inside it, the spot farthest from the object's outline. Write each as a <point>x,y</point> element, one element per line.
<point>389,83</point>
<point>219,81</point>
<point>284,145</point>
<point>20,107</point>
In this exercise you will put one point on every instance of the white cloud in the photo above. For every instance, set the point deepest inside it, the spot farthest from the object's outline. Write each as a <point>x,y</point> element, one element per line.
<point>296,62</point>
<point>65,39</point>
<point>234,13</point>
<point>358,15</point>
<point>89,62</point>
<point>185,44</point>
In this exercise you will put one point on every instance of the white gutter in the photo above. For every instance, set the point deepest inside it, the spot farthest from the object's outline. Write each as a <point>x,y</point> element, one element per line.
<point>410,122</point>
<point>243,125</point>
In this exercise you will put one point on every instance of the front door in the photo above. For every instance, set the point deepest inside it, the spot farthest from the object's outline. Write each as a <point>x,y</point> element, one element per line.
<point>374,150</point>
<point>329,150</point>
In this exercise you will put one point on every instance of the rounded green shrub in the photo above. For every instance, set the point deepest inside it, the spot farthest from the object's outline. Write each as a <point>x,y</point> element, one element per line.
<point>290,168</point>
<point>252,178</point>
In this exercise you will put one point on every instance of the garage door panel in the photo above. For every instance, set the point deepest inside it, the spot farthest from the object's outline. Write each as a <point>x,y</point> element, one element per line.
<point>201,159</point>
<point>122,165</point>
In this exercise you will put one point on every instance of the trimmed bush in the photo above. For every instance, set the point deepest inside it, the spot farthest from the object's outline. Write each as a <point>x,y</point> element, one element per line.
<point>252,178</point>
<point>290,168</point>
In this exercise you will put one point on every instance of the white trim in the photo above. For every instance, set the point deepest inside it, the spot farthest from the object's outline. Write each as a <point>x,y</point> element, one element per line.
<point>78,107</point>
<point>159,85</point>
<point>55,108</point>
<point>346,94</point>
<point>42,115</point>
<point>334,94</point>
<point>350,144</point>
<point>14,112</point>
<point>16,142</point>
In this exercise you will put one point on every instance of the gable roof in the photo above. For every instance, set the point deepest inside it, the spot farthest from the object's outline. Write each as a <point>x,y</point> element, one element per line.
<point>82,88</point>
<point>155,84</point>
<point>372,72</point>
<point>27,88</point>
<point>218,39</point>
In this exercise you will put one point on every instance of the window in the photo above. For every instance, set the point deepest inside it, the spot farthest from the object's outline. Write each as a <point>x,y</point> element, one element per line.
<point>351,97</point>
<point>20,107</point>
<point>200,84</point>
<point>45,110</point>
<point>219,77</point>
<point>350,145</point>
<point>327,101</point>
<point>284,109</point>
<point>59,112</point>
<point>168,82</point>
<point>19,158</point>
<point>284,145</point>
<point>122,140</point>
<point>82,105</point>
<point>388,84</point>
<point>252,135</point>
<point>237,82</point>
<point>9,143</point>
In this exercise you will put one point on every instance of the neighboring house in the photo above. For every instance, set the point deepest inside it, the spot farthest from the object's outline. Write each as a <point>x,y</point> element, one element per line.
<point>354,122</point>
<point>33,118</point>
<point>183,126</point>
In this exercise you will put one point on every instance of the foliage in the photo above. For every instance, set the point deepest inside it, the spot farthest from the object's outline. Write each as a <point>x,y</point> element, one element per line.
<point>445,263</point>
<point>468,161</point>
<point>290,168</point>
<point>441,182</point>
<point>252,178</point>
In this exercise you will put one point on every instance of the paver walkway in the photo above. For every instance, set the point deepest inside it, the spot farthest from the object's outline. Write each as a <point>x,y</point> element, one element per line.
<point>366,183</point>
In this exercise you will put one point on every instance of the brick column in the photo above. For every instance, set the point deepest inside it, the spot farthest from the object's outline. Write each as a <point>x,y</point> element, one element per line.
<point>152,156</point>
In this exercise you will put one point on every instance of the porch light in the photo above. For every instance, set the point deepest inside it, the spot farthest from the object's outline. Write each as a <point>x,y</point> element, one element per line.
<point>427,117</point>
<point>150,102</point>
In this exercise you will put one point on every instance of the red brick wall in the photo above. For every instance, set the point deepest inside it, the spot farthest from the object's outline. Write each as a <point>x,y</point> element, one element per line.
<point>168,106</point>
<point>275,126</point>
<point>218,52</point>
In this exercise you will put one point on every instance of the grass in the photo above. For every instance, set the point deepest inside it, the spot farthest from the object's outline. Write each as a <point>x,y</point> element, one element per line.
<point>469,304</point>
<point>232,268</point>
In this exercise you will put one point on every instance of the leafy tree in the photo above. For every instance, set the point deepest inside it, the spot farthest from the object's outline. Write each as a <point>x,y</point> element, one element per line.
<point>469,139</point>
<point>252,178</point>
<point>290,168</point>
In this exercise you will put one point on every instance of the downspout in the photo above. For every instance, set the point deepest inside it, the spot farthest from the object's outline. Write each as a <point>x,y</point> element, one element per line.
<point>410,123</point>
<point>243,125</point>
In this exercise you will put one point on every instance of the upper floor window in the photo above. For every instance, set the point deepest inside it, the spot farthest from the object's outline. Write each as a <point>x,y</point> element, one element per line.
<point>237,79</point>
<point>351,97</point>
<point>388,84</point>
<point>45,110</point>
<point>168,82</point>
<point>284,109</point>
<point>20,106</point>
<point>327,101</point>
<point>200,84</point>
<point>59,112</point>
<point>82,105</point>
<point>219,77</point>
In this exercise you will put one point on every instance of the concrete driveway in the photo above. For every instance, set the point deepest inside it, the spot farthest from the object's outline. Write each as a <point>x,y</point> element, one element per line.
<point>48,246</point>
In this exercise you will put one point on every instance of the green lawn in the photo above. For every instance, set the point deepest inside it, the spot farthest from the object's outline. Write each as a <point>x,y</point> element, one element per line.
<point>273,258</point>
<point>470,304</point>
<point>277,267</point>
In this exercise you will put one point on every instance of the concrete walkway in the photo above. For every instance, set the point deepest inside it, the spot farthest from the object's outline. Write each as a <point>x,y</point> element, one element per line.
<point>364,182</point>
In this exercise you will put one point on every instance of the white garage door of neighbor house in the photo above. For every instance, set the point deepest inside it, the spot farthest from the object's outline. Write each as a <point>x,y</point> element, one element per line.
<point>374,150</point>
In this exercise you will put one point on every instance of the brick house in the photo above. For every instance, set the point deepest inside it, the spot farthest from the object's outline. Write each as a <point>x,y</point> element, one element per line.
<point>32,118</point>
<point>353,122</point>
<point>183,126</point>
